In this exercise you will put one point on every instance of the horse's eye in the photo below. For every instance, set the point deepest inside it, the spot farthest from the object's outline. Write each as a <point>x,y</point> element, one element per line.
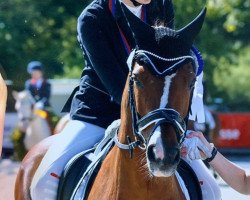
<point>192,84</point>
<point>137,81</point>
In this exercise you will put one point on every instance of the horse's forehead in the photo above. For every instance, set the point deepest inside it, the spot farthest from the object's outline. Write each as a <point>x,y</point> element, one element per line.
<point>138,69</point>
<point>187,70</point>
<point>143,71</point>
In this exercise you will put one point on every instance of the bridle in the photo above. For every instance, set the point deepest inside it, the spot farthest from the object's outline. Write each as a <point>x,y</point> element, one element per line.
<point>157,117</point>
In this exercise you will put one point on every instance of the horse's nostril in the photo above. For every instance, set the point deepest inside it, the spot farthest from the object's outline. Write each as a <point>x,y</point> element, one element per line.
<point>177,156</point>
<point>173,156</point>
<point>150,151</point>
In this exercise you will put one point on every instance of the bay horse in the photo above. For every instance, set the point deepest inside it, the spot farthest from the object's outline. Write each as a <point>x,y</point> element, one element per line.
<point>154,112</point>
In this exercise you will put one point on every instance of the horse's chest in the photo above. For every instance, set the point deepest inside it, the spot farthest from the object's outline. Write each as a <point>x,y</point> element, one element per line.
<point>140,191</point>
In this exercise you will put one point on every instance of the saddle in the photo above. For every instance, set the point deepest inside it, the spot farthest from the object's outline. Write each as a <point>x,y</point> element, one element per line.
<point>80,172</point>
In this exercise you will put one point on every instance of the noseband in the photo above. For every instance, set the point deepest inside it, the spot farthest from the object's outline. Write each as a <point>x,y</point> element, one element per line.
<point>157,117</point>
<point>160,116</point>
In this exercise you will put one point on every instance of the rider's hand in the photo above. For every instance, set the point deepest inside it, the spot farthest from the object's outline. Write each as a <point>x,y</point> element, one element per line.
<point>196,146</point>
<point>39,105</point>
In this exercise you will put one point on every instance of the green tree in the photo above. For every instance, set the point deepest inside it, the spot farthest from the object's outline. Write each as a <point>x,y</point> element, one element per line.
<point>222,41</point>
<point>46,31</point>
<point>234,81</point>
<point>39,30</point>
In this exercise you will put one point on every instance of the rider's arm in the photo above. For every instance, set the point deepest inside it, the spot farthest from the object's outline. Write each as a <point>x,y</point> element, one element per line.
<point>232,174</point>
<point>101,54</point>
<point>47,93</point>
<point>27,85</point>
<point>3,98</point>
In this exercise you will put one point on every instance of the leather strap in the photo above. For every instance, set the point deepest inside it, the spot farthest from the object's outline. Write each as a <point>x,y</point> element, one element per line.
<point>214,153</point>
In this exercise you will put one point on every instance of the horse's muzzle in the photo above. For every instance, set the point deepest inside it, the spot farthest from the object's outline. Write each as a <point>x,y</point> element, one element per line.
<point>163,163</point>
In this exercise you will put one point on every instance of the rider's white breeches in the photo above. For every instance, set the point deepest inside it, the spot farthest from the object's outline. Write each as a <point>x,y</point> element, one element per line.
<point>209,187</point>
<point>76,137</point>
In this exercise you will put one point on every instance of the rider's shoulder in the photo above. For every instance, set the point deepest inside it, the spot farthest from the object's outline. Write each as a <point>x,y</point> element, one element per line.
<point>93,10</point>
<point>46,82</point>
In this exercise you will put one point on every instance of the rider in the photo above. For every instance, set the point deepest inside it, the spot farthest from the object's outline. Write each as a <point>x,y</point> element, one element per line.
<point>106,41</point>
<point>38,87</point>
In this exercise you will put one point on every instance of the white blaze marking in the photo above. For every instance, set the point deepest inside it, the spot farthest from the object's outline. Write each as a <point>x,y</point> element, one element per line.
<point>164,97</point>
<point>156,137</point>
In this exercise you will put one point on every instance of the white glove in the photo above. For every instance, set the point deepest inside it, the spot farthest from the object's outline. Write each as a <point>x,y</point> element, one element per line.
<point>39,105</point>
<point>194,145</point>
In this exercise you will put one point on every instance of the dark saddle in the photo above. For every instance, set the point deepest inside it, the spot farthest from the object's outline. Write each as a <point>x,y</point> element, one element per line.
<point>80,172</point>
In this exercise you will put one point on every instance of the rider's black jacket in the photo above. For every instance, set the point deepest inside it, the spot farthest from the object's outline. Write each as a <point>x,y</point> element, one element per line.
<point>40,94</point>
<point>97,99</point>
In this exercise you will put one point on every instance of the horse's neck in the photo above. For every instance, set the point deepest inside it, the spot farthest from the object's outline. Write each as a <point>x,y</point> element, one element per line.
<point>129,178</point>
<point>39,122</point>
<point>37,130</point>
<point>122,178</point>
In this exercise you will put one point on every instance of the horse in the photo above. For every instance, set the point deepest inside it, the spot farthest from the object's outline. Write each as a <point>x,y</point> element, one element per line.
<point>33,121</point>
<point>154,112</point>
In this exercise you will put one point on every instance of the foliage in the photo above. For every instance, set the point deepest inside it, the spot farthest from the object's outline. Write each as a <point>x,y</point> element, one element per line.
<point>39,30</point>
<point>224,36</point>
<point>234,82</point>
<point>17,138</point>
<point>46,31</point>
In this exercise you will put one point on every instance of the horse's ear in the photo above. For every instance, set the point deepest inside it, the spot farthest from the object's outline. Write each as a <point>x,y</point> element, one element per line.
<point>15,94</point>
<point>140,30</point>
<point>189,32</point>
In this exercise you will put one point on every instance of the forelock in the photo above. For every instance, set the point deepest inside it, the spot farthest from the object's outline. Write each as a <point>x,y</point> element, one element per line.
<point>161,31</point>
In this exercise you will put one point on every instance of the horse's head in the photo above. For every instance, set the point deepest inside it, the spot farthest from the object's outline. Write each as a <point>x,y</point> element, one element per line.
<point>24,107</point>
<point>163,103</point>
<point>162,77</point>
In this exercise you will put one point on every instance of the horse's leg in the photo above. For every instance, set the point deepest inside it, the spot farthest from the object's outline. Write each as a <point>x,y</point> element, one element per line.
<point>28,168</point>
